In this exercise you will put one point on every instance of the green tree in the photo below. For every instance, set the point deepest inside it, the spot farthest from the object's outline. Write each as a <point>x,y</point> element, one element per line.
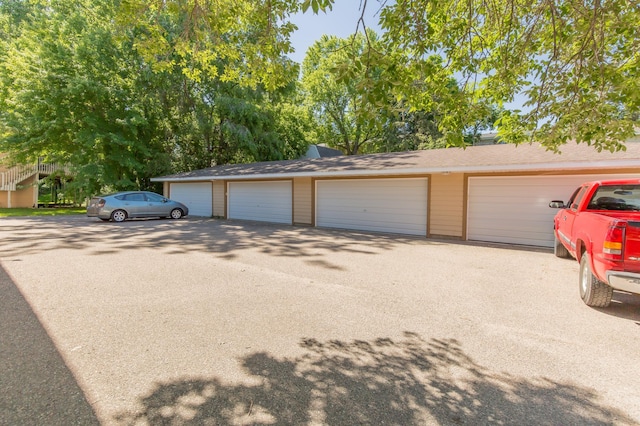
<point>359,110</point>
<point>75,91</point>
<point>575,62</point>
<point>70,95</point>
<point>213,121</point>
<point>185,84</point>
<point>412,130</point>
<point>239,41</point>
<point>337,84</point>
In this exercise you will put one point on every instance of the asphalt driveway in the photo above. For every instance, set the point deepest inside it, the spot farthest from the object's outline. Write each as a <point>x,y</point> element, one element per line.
<point>204,321</point>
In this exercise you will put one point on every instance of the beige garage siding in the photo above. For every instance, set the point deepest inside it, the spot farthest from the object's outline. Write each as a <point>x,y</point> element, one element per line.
<point>219,208</point>
<point>446,205</point>
<point>27,196</point>
<point>302,201</point>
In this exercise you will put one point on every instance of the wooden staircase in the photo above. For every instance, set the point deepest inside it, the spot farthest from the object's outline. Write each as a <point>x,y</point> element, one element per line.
<point>10,178</point>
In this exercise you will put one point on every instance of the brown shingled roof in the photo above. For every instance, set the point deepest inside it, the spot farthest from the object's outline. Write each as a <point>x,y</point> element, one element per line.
<point>488,158</point>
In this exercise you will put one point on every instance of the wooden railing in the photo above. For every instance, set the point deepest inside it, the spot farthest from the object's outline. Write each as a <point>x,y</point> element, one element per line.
<point>9,179</point>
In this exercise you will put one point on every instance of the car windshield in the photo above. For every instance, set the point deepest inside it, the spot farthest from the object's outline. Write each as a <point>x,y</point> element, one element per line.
<point>616,197</point>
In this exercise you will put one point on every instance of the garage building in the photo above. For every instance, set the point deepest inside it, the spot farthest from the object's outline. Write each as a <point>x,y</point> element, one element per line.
<point>493,193</point>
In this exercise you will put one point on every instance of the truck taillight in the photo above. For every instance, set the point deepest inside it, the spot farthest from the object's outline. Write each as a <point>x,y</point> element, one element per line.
<point>613,241</point>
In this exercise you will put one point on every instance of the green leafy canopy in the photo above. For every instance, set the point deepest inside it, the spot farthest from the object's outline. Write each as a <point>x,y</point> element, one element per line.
<point>125,90</point>
<point>574,63</point>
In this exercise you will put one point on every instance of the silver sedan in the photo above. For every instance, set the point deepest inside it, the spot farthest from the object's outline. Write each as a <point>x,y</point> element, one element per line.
<point>128,205</point>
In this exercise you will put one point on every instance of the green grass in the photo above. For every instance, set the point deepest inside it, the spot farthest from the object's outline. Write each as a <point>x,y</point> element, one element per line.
<point>58,211</point>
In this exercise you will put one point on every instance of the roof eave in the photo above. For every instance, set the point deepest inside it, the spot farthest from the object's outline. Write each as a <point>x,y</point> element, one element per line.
<point>505,168</point>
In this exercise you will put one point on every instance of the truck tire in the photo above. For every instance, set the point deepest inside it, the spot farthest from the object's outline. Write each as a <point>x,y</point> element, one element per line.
<point>593,292</point>
<point>559,249</point>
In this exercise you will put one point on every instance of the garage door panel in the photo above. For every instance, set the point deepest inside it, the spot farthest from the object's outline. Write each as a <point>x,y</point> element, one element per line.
<point>383,212</point>
<point>269,201</point>
<point>381,205</point>
<point>514,233</point>
<point>197,196</point>
<point>376,223</point>
<point>516,209</point>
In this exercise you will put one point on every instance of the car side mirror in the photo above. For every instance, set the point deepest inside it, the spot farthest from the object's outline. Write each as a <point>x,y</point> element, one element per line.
<point>164,200</point>
<point>557,204</point>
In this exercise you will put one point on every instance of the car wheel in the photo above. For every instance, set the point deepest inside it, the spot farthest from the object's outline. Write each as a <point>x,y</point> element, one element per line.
<point>593,291</point>
<point>560,250</point>
<point>176,214</point>
<point>119,216</point>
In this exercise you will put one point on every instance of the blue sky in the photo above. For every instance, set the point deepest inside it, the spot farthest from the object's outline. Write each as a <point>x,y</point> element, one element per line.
<point>341,22</point>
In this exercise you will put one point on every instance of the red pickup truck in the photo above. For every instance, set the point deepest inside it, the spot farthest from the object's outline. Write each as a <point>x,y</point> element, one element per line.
<point>600,227</point>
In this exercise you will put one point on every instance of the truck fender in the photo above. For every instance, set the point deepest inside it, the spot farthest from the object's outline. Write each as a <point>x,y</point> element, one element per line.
<point>581,248</point>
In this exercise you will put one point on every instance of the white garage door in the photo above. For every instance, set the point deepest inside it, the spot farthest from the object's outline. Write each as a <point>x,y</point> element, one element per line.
<point>516,209</point>
<point>382,205</point>
<point>195,195</point>
<point>262,201</point>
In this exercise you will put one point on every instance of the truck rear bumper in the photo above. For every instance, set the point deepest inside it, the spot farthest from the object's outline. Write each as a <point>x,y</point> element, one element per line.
<point>624,281</point>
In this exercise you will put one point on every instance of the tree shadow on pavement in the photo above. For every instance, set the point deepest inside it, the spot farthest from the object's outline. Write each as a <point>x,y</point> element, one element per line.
<point>408,381</point>
<point>222,238</point>
<point>36,386</point>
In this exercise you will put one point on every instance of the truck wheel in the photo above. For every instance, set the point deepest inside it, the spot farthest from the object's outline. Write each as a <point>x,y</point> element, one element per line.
<point>593,291</point>
<point>560,250</point>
